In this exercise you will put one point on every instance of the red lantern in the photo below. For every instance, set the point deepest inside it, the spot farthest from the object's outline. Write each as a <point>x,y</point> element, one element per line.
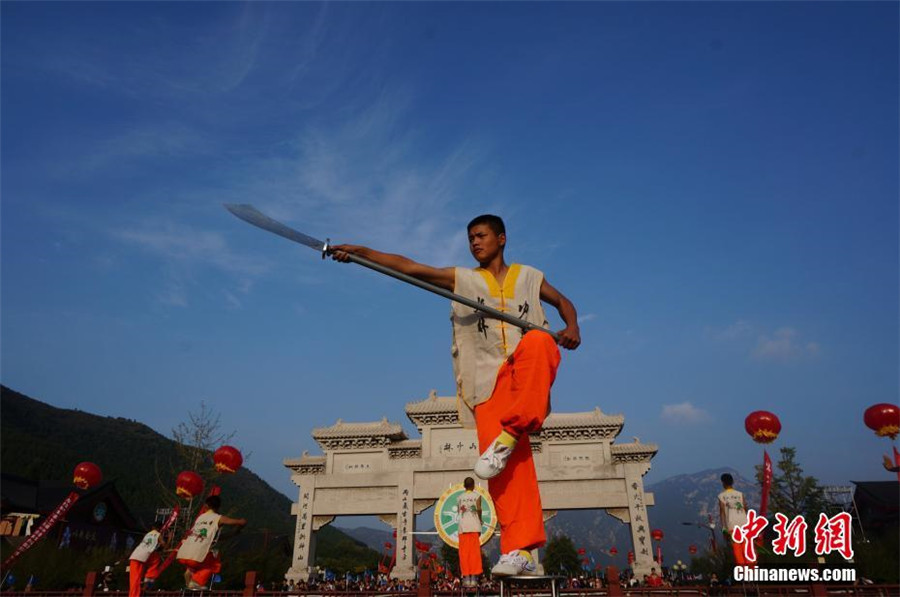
<point>613,551</point>
<point>763,426</point>
<point>388,545</point>
<point>87,475</point>
<point>188,485</point>
<point>581,551</point>
<point>657,535</point>
<point>883,419</point>
<point>228,459</point>
<point>692,549</point>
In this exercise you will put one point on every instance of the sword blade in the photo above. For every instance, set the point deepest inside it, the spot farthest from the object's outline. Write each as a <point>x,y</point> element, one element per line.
<point>251,215</point>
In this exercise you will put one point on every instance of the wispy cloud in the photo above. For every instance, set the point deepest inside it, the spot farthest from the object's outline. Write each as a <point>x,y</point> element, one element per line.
<point>739,329</point>
<point>764,344</point>
<point>371,180</point>
<point>684,412</point>
<point>181,243</point>
<point>151,141</point>
<point>784,345</point>
<point>587,317</point>
<point>187,250</point>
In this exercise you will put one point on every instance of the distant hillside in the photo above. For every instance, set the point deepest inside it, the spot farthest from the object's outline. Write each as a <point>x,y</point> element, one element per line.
<point>40,441</point>
<point>679,499</point>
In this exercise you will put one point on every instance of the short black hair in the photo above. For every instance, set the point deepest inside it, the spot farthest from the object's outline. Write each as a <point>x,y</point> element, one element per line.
<point>469,483</point>
<point>213,502</point>
<point>727,479</point>
<point>495,223</point>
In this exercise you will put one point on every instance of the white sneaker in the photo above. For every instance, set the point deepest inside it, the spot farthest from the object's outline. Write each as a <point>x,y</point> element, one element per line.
<point>493,461</point>
<point>514,563</point>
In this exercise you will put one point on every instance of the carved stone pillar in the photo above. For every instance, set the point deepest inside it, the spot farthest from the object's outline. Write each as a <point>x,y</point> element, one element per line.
<point>640,524</point>
<point>405,567</point>
<point>304,533</point>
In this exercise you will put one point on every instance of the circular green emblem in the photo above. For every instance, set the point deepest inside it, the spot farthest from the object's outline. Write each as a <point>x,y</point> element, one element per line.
<point>446,517</point>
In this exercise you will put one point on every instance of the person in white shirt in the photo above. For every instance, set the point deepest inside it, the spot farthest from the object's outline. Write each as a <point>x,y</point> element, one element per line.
<point>195,551</point>
<point>468,505</point>
<point>144,562</point>
<point>732,513</point>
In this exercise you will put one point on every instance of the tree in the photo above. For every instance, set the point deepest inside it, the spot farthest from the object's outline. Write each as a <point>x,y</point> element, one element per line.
<point>561,557</point>
<point>200,435</point>
<point>792,493</point>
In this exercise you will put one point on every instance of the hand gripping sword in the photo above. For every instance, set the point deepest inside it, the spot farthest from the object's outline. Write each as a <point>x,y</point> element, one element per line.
<point>251,215</point>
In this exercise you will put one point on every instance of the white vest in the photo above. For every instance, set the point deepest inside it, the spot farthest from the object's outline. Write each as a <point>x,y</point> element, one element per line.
<point>467,507</point>
<point>733,502</point>
<point>203,535</point>
<point>147,546</point>
<point>481,344</point>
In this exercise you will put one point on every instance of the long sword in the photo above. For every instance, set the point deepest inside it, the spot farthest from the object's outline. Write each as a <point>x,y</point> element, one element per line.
<point>251,215</point>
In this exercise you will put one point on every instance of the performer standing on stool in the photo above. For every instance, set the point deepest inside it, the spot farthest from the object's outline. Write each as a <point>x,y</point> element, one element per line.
<point>503,375</point>
<point>468,505</point>
<point>196,551</point>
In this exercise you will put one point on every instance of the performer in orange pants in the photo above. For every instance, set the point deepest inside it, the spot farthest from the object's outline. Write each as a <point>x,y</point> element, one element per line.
<point>144,562</point>
<point>503,377</point>
<point>469,508</point>
<point>140,572</point>
<point>518,406</point>
<point>196,553</point>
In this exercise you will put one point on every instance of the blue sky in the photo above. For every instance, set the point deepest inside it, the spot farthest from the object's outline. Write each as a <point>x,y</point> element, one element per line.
<point>713,184</point>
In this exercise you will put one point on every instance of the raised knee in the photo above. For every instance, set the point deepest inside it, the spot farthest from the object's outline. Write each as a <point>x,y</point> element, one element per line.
<point>541,339</point>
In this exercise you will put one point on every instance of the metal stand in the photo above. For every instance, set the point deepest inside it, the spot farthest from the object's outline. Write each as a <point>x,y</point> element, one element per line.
<point>508,582</point>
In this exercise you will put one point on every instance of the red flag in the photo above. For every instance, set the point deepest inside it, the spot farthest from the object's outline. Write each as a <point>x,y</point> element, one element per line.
<point>42,530</point>
<point>767,482</point>
<point>171,519</point>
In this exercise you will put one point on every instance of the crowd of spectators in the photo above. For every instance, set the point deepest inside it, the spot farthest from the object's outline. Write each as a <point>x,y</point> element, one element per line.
<point>444,583</point>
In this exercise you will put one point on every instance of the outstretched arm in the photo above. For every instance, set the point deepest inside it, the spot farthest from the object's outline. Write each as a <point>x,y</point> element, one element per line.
<point>238,522</point>
<point>570,337</point>
<point>444,277</point>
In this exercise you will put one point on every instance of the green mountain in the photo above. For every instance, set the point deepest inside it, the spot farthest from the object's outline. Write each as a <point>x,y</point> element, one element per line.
<point>42,442</point>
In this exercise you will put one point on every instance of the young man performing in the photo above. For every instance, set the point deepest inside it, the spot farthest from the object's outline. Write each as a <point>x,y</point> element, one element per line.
<point>144,562</point>
<point>195,552</point>
<point>732,513</point>
<point>503,375</point>
<point>468,505</point>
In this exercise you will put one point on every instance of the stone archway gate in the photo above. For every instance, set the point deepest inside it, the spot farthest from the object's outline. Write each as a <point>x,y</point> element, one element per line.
<point>374,469</point>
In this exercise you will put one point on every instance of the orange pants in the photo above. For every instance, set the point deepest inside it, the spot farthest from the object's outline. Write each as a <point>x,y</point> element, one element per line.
<point>201,572</point>
<point>470,554</point>
<point>519,405</point>
<point>737,548</point>
<point>138,571</point>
